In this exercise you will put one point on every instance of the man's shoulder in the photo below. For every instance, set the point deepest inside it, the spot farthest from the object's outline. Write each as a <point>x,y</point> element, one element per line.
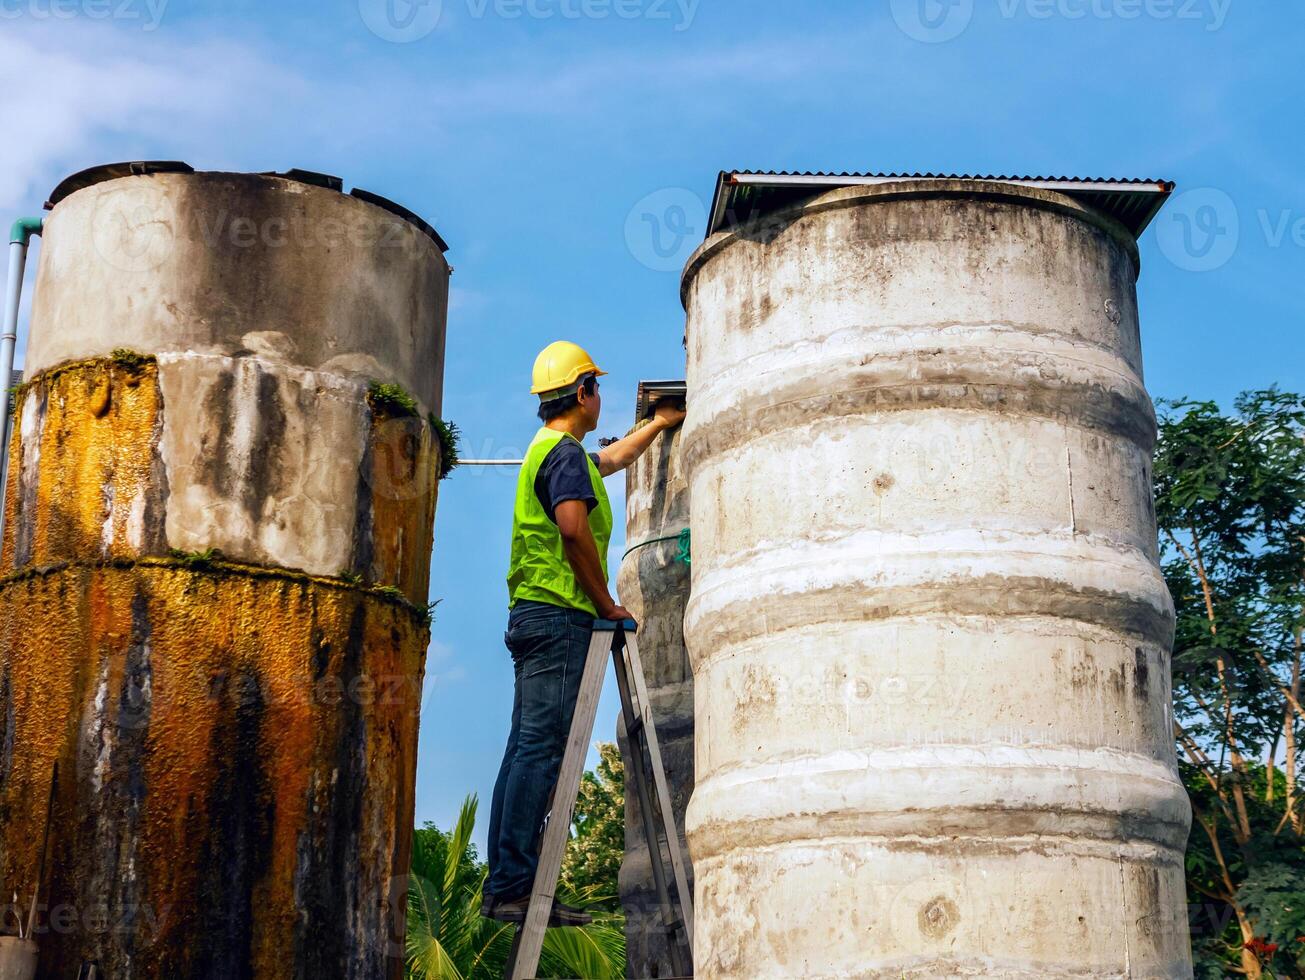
<point>567,453</point>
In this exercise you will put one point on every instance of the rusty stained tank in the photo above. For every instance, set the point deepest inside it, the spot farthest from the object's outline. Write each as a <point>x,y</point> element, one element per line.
<point>215,564</point>
<point>929,634</point>
<point>653,583</point>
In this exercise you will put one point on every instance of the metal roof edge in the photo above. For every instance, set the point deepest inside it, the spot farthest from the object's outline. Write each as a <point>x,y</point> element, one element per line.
<point>1078,187</point>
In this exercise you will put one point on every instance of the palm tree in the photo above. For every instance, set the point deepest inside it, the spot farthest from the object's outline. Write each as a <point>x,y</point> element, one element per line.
<point>449,940</point>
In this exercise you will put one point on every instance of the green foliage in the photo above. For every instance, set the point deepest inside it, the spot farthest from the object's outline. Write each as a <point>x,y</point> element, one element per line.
<point>1274,895</point>
<point>350,577</point>
<point>449,940</point>
<point>593,856</point>
<point>1230,503</point>
<point>197,559</point>
<point>391,400</point>
<point>450,443</point>
<point>428,613</point>
<point>127,358</point>
<point>1268,869</point>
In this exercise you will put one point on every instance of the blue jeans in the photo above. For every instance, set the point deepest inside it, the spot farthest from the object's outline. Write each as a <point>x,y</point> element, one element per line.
<point>548,645</point>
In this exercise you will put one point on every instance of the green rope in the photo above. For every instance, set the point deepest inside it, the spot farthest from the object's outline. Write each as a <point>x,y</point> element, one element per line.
<point>683,538</point>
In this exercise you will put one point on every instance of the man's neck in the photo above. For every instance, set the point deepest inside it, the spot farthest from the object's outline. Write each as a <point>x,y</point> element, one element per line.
<point>569,424</point>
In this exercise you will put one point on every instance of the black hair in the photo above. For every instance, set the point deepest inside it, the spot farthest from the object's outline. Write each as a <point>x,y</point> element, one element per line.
<point>557,407</point>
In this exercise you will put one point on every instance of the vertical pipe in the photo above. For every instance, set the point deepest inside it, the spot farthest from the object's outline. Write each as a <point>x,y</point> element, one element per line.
<point>19,236</point>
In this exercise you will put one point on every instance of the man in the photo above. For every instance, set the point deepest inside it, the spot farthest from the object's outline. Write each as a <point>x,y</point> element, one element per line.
<point>557,586</point>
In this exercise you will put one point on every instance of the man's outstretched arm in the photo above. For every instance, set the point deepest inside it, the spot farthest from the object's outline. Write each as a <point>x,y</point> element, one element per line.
<point>622,453</point>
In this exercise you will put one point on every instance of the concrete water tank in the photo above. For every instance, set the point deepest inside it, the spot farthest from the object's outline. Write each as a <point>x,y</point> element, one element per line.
<point>653,583</point>
<point>929,634</point>
<point>213,606</point>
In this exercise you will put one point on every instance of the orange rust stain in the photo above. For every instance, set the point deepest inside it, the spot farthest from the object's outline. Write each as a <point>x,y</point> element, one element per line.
<point>404,489</point>
<point>80,464</point>
<point>236,759</point>
<point>86,480</point>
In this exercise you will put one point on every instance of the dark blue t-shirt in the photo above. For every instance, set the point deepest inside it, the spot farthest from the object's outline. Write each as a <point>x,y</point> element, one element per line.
<point>564,475</point>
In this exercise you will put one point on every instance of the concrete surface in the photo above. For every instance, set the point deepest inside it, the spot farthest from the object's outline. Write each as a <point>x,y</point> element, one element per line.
<point>655,587</point>
<point>240,264</point>
<point>213,579</point>
<point>929,637</point>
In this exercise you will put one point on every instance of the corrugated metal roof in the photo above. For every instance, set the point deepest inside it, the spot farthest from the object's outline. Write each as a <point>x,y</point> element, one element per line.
<point>651,392</point>
<point>743,195</point>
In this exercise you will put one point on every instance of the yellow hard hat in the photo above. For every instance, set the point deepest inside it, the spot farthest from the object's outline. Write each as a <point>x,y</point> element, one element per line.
<point>560,365</point>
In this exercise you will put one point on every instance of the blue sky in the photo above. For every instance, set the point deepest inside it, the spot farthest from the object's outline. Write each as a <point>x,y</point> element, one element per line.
<point>537,134</point>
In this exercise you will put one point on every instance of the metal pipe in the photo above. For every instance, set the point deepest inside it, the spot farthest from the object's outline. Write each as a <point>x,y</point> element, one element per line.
<point>19,236</point>
<point>490,462</point>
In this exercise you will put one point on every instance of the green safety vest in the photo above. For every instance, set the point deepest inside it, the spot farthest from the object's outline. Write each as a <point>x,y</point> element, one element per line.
<point>538,569</point>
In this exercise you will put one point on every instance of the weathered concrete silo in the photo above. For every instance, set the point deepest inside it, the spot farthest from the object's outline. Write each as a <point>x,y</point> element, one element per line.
<point>929,636</point>
<point>653,583</point>
<point>216,552</point>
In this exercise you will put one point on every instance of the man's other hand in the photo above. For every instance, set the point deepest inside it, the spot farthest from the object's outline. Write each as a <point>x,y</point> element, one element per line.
<point>615,614</point>
<point>669,413</point>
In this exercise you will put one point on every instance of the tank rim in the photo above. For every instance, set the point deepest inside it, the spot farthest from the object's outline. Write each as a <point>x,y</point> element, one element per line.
<point>105,172</point>
<point>845,197</point>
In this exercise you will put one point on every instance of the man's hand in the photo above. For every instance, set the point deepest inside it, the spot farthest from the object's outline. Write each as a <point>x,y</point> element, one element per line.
<point>620,454</point>
<point>669,413</point>
<point>616,613</point>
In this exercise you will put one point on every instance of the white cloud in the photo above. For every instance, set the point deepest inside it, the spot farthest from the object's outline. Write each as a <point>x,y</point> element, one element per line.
<point>89,94</point>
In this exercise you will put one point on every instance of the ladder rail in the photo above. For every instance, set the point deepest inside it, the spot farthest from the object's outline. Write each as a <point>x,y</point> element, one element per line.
<point>529,943</point>
<point>649,732</point>
<point>636,773</point>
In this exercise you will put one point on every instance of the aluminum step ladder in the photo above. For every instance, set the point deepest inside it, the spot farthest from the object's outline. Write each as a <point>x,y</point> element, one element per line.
<point>619,639</point>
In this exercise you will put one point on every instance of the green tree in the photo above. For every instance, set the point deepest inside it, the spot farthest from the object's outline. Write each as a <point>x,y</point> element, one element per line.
<point>593,855</point>
<point>448,939</point>
<point>1230,502</point>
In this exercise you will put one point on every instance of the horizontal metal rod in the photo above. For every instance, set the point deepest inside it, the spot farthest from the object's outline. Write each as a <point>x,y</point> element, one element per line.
<point>490,462</point>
